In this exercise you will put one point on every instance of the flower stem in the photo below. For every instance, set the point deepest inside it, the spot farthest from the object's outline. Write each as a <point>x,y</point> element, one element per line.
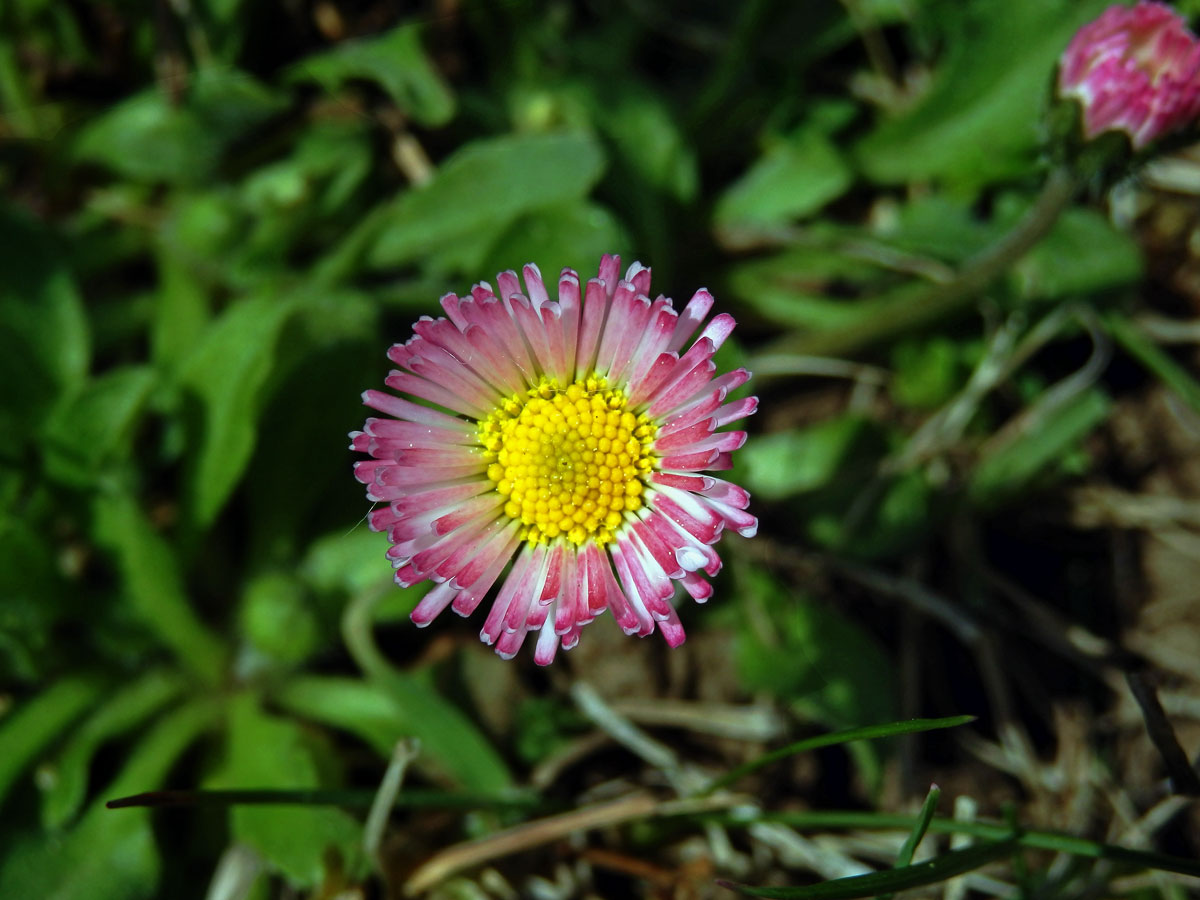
<point>928,303</point>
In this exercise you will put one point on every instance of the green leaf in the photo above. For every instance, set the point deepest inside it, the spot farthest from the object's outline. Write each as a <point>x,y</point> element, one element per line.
<point>785,463</point>
<point>151,138</point>
<point>110,854</point>
<point>811,656</point>
<point>348,562</point>
<point>932,871</point>
<point>269,752</point>
<point>924,817</point>
<point>865,733</point>
<point>572,236</point>
<point>1008,466</point>
<point>795,177</point>
<point>43,329</point>
<point>36,722</point>
<point>64,781</point>
<point>802,287</point>
<point>153,584</point>
<point>873,517</point>
<point>1084,253</point>
<point>926,371</point>
<point>227,372</point>
<point>401,706</point>
<point>482,189</point>
<point>649,141</point>
<point>1138,344</point>
<point>181,309</point>
<point>94,426</point>
<point>278,619</point>
<point>980,119</point>
<point>397,62</point>
<point>35,595</point>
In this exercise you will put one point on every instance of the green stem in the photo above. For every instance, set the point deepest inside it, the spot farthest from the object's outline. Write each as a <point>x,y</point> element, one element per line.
<point>928,303</point>
<point>1141,347</point>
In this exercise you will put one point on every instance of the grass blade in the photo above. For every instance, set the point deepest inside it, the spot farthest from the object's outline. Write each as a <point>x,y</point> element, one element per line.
<point>924,817</point>
<point>1036,840</point>
<point>349,799</point>
<point>868,732</point>
<point>940,868</point>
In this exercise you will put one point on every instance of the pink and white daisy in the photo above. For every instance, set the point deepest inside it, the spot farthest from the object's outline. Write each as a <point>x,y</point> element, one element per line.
<point>1134,69</point>
<point>563,443</point>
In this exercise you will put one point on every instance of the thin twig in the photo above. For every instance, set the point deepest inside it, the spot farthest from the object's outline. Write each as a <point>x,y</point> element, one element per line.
<point>385,798</point>
<point>1184,779</point>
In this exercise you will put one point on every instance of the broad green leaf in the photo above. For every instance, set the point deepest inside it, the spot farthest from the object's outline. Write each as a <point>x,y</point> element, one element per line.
<point>227,372</point>
<point>277,618</point>
<point>812,656</point>
<point>94,426</point>
<point>397,62</point>
<point>1084,253</point>
<point>926,371</point>
<point>352,562</point>
<point>944,227</point>
<point>26,731</point>
<point>44,341</point>
<point>23,115</point>
<point>795,177</point>
<point>399,706</point>
<point>572,236</point>
<point>649,141</point>
<point>153,584</point>
<point>181,308</point>
<point>359,707</point>
<point>482,189</point>
<point>64,781</point>
<point>265,751</point>
<point>980,118</point>
<point>1009,466</point>
<point>110,854</point>
<point>804,287</point>
<point>35,595</point>
<point>200,233</point>
<point>931,871</point>
<point>332,350</point>
<point>784,463</point>
<point>327,164</point>
<point>874,516</point>
<point>150,138</point>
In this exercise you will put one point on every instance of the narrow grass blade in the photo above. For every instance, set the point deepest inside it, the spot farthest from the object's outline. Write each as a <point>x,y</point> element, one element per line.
<point>924,817</point>
<point>889,881</point>
<point>1037,840</point>
<point>350,799</point>
<point>1139,345</point>
<point>909,847</point>
<point>868,732</point>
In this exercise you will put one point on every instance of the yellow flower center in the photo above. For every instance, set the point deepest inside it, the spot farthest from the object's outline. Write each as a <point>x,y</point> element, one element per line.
<point>570,462</point>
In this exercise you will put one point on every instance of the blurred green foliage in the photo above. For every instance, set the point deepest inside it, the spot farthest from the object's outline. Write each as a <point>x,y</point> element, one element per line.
<point>216,219</point>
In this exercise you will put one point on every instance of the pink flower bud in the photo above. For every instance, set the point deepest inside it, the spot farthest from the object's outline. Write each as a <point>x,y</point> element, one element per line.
<point>1135,69</point>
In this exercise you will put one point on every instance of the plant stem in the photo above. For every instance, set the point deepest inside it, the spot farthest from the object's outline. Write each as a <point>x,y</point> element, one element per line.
<point>928,303</point>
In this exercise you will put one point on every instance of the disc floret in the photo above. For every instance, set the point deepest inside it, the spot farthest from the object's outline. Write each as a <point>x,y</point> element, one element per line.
<point>569,461</point>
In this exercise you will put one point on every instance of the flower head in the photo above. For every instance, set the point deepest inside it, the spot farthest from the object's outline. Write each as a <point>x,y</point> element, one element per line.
<point>565,444</point>
<point>1134,69</point>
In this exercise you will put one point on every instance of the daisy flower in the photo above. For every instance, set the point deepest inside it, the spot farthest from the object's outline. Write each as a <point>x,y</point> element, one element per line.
<point>1134,69</point>
<point>556,449</point>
